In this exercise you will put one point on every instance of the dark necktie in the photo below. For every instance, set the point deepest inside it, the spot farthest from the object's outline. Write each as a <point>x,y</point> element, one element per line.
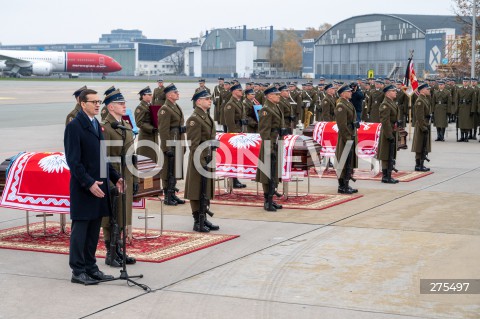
<point>95,125</point>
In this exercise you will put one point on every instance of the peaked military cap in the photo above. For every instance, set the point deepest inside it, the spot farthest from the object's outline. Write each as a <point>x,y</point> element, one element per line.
<point>160,80</point>
<point>271,89</point>
<point>441,82</point>
<point>389,87</point>
<point>466,79</point>
<point>380,81</point>
<point>109,90</point>
<point>283,88</point>
<point>226,82</point>
<point>399,82</point>
<point>201,80</point>
<point>291,84</point>
<point>169,88</point>
<point>328,86</point>
<point>235,87</point>
<point>145,91</point>
<point>114,96</point>
<point>221,79</point>
<point>321,84</point>
<point>249,91</point>
<point>321,78</point>
<point>474,79</point>
<point>200,95</point>
<point>423,86</point>
<point>79,91</point>
<point>344,88</point>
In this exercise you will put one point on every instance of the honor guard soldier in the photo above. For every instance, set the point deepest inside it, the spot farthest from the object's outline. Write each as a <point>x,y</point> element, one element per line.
<point>296,101</point>
<point>115,103</point>
<point>366,101</point>
<point>259,94</point>
<point>225,96</point>
<point>475,119</point>
<point>172,130</point>
<point>287,109</point>
<point>272,129</point>
<point>464,109</point>
<point>158,94</point>
<point>148,132</point>
<point>328,104</point>
<point>387,147</point>
<point>376,98</point>
<point>421,135</point>
<point>321,95</point>
<point>104,111</point>
<point>347,132</point>
<point>199,189</point>
<point>235,118</point>
<point>452,87</point>
<point>77,107</point>
<point>250,113</point>
<point>201,87</point>
<point>217,91</point>
<point>309,98</point>
<point>402,102</point>
<point>442,101</point>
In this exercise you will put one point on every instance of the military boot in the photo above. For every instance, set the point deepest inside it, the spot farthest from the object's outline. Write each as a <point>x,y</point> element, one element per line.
<point>196,223</point>
<point>439,134</point>
<point>474,135</point>
<point>461,137</point>
<point>237,184</point>
<point>423,168</point>
<point>418,167</point>
<point>465,137</point>
<point>470,135</point>
<point>129,260</point>
<point>178,200</point>
<point>117,262</point>
<point>210,225</point>
<point>443,135</point>
<point>387,177</point>
<point>269,207</point>
<point>168,199</point>
<point>349,188</point>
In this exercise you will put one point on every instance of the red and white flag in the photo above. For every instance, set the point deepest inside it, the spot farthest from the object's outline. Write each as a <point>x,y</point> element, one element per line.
<point>410,81</point>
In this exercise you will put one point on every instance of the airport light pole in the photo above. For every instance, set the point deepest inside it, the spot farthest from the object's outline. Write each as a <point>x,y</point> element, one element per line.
<point>474,42</point>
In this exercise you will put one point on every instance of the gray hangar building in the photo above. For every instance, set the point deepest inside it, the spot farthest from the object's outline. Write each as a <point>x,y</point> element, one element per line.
<point>380,44</point>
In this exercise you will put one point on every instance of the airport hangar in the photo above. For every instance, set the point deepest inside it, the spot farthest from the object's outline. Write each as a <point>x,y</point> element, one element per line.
<point>380,42</point>
<point>136,58</point>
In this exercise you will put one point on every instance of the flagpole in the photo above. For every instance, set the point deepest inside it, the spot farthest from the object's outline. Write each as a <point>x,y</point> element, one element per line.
<point>474,26</point>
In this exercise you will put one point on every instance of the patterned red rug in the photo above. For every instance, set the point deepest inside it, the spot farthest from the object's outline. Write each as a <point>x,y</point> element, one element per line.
<point>365,174</point>
<point>310,202</point>
<point>171,244</point>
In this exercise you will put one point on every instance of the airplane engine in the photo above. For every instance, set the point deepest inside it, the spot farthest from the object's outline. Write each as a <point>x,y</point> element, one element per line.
<point>42,68</point>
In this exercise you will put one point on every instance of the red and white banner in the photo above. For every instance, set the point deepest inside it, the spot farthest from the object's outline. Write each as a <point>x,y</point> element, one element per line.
<point>326,134</point>
<point>38,182</point>
<point>238,154</point>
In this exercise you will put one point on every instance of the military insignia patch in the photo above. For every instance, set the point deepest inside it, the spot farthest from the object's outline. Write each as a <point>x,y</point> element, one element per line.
<point>137,111</point>
<point>192,123</point>
<point>339,109</point>
<point>264,113</point>
<point>229,107</point>
<point>162,112</point>
<point>384,106</point>
<point>104,111</point>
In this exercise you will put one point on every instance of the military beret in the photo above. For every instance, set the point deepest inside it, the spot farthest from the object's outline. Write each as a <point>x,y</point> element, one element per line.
<point>389,88</point>
<point>283,88</point>
<point>200,95</point>
<point>79,91</point>
<point>109,90</point>
<point>201,80</point>
<point>344,88</point>
<point>271,89</point>
<point>145,91</point>
<point>221,79</point>
<point>160,80</point>
<point>235,87</point>
<point>249,91</point>
<point>114,96</point>
<point>423,86</point>
<point>169,88</point>
<point>328,86</point>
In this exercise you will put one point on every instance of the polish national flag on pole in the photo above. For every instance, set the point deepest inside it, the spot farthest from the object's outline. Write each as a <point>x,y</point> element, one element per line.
<point>410,81</point>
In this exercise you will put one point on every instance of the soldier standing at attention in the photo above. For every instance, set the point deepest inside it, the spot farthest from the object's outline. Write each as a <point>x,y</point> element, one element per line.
<point>287,109</point>
<point>347,131</point>
<point>115,103</point>
<point>475,117</point>
<point>158,94</point>
<point>465,108</point>
<point>421,135</point>
<point>200,129</point>
<point>328,104</point>
<point>217,92</point>
<point>73,113</point>
<point>104,111</point>
<point>296,101</point>
<point>389,117</point>
<point>201,87</point>
<point>235,118</point>
<point>310,96</point>
<point>148,132</point>
<point>259,95</point>
<point>248,103</point>
<point>442,101</point>
<point>376,98</point>
<point>171,128</point>
<point>270,127</point>
<point>402,102</point>
<point>224,98</point>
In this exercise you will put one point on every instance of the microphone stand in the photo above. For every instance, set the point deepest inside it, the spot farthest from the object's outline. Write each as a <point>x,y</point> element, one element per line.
<point>123,272</point>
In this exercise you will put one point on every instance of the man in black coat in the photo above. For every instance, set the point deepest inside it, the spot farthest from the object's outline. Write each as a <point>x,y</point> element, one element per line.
<point>89,200</point>
<point>357,99</point>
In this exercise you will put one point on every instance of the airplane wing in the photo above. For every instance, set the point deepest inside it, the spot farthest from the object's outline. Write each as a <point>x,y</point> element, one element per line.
<point>9,60</point>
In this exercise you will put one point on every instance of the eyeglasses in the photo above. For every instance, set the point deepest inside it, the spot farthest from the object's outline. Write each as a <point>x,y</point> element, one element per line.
<point>95,102</point>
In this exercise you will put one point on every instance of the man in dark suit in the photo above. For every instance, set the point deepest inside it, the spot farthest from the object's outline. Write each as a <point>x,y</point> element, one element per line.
<point>89,200</point>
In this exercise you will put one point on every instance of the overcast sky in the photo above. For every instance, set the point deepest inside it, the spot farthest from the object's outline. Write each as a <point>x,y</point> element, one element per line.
<point>49,21</point>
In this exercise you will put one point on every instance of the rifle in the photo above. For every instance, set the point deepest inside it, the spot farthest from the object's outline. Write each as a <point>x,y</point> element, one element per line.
<point>391,159</point>
<point>114,229</point>
<point>425,144</point>
<point>348,166</point>
<point>171,169</point>
<point>272,182</point>
<point>204,201</point>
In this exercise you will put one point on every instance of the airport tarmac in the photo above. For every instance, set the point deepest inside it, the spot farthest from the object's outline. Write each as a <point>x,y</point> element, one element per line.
<point>360,259</point>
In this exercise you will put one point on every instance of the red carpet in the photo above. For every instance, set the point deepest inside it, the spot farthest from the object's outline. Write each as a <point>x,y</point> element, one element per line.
<point>171,244</point>
<point>310,202</point>
<point>365,174</point>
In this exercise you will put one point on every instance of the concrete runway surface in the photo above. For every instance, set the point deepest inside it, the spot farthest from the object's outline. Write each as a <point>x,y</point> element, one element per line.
<point>360,259</point>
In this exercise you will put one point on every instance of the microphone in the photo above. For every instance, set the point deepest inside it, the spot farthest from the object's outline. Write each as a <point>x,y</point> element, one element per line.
<point>115,125</point>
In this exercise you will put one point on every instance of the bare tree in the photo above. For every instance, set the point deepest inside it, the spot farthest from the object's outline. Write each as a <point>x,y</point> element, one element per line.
<point>178,61</point>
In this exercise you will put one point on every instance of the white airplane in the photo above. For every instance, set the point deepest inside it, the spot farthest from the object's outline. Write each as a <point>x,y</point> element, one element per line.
<point>15,63</point>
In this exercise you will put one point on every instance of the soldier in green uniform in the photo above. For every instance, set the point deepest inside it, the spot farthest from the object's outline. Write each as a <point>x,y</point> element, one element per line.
<point>321,93</point>
<point>259,95</point>
<point>104,111</point>
<point>402,102</point>
<point>115,104</point>
<point>296,98</point>
<point>287,109</point>
<point>217,91</point>
<point>328,104</point>
<point>310,99</point>
<point>421,135</point>
<point>376,98</point>
<point>347,131</point>
<point>475,118</point>
<point>271,128</point>
<point>389,117</point>
<point>172,130</point>
<point>158,97</point>
<point>465,108</point>
<point>234,115</point>
<point>148,132</point>
<point>201,87</point>
<point>441,101</point>
<point>366,101</point>
<point>248,103</point>
<point>200,129</point>
<point>225,96</point>
<point>73,113</point>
